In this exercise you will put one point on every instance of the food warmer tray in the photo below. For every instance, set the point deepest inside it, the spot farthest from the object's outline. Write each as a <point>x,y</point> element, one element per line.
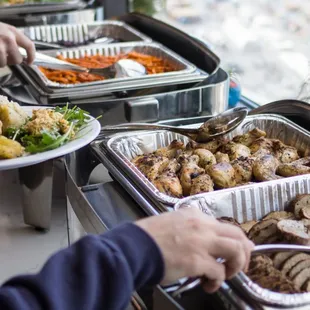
<point>85,199</point>
<point>121,148</point>
<point>120,207</point>
<point>182,66</point>
<point>31,7</point>
<point>117,30</point>
<point>209,95</point>
<point>141,105</point>
<point>67,94</point>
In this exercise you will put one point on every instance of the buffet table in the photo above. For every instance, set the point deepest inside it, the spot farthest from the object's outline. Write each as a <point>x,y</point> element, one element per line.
<point>104,188</point>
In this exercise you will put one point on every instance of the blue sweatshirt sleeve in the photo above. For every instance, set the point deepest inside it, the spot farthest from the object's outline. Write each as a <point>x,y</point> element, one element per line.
<point>97,272</point>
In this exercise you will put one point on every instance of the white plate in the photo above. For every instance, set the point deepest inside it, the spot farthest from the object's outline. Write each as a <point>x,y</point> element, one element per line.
<point>84,137</point>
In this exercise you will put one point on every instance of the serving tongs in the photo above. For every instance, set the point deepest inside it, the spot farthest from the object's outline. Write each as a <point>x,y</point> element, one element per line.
<point>217,126</point>
<point>243,284</point>
<point>73,43</point>
<point>121,68</point>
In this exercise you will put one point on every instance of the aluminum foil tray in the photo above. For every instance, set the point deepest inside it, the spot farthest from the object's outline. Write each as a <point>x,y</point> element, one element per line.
<point>48,95</point>
<point>82,32</point>
<point>254,203</point>
<point>182,66</point>
<point>244,202</point>
<point>29,7</point>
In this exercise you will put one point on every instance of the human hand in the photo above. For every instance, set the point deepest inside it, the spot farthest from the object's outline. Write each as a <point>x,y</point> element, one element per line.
<point>10,39</point>
<point>191,241</point>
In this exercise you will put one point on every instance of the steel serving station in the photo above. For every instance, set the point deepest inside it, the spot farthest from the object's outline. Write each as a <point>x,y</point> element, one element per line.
<point>101,190</point>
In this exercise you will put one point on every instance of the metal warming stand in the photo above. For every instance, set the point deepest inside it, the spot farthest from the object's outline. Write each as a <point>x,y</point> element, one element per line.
<point>90,184</point>
<point>208,97</point>
<point>37,181</point>
<point>83,12</point>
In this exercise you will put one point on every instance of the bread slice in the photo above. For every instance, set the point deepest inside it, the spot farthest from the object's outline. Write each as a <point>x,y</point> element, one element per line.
<point>247,226</point>
<point>276,282</point>
<point>293,261</point>
<point>299,267</point>
<point>263,230</point>
<point>229,220</point>
<point>306,286</point>
<point>306,222</point>
<point>295,231</point>
<point>301,278</point>
<point>305,212</point>
<point>274,239</point>
<point>260,226</point>
<point>279,215</point>
<point>260,270</point>
<point>260,265</point>
<point>280,258</point>
<point>263,273</point>
<point>298,203</point>
<point>260,260</point>
<point>288,287</point>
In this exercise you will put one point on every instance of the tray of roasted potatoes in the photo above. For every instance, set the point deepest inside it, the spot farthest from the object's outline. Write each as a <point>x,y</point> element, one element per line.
<point>258,166</point>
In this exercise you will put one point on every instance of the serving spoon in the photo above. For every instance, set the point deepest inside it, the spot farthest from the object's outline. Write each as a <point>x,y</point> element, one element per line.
<point>216,126</point>
<point>121,68</point>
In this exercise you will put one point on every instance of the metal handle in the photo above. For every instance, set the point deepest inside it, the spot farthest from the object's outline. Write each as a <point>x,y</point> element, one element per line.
<point>146,126</point>
<point>52,63</point>
<point>270,248</point>
<point>46,45</point>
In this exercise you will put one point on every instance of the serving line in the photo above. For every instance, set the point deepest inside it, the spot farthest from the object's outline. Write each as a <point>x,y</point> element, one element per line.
<point>85,201</point>
<point>118,207</point>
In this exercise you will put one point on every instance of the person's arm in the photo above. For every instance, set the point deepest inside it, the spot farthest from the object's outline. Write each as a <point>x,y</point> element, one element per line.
<point>98,272</point>
<point>101,272</point>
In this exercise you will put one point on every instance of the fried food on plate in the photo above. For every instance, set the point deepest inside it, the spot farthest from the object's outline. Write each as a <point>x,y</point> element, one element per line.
<point>9,148</point>
<point>11,114</point>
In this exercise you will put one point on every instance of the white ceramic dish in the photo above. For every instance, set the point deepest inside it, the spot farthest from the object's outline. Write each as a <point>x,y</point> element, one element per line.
<point>84,137</point>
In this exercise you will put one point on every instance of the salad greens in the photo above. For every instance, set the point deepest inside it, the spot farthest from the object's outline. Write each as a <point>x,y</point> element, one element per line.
<point>76,115</point>
<point>47,141</point>
<point>52,138</point>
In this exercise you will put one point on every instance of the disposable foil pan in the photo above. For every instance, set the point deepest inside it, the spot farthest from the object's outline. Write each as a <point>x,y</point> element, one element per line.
<point>254,203</point>
<point>30,7</point>
<point>83,32</point>
<point>263,197</point>
<point>182,66</point>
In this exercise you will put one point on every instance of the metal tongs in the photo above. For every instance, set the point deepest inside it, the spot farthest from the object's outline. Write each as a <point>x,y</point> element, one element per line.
<point>239,279</point>
<point>72,43</point>
<point>121,68</point>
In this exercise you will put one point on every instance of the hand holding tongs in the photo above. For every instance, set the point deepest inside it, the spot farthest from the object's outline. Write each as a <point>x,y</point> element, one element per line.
<point>121,68</point>
<point>191,283</point>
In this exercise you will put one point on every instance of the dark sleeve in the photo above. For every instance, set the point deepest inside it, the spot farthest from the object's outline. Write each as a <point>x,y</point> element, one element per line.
<point>97,272</point>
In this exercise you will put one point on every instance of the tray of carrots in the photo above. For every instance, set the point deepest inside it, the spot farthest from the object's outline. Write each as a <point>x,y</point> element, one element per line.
<point>159,62</point>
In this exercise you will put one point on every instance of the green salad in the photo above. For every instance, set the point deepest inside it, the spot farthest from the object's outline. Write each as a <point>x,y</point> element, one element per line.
<point>45,130</point>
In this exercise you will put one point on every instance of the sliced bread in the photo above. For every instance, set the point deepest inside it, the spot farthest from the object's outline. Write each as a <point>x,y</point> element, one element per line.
<point>295,231</point>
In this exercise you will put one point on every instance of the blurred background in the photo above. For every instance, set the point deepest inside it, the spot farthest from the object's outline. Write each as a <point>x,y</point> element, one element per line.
<point>265,43</point>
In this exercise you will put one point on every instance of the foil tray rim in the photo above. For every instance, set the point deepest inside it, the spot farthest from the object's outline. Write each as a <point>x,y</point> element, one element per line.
<point>112,148</point>
<point>189,68</point>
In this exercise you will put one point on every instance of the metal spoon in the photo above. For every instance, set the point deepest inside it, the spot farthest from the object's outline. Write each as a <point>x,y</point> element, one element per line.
<point>217,126</point>
<point>121,68</point>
